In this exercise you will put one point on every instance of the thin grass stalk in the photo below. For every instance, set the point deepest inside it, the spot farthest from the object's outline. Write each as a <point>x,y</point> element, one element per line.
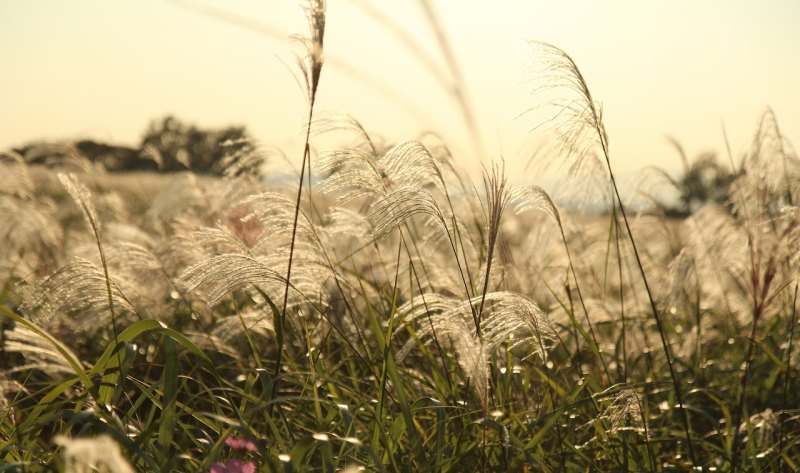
<point>650,454</point>
<point>550,392</point>
<point>760,301</point>
<point>442,354</point>
<point>596,347</point>
<point>656,316</point>
<point>659,323</point>
<point>785,394</point>
<point>496,199</point>
<point>315,13</point>
<point>621,301</point>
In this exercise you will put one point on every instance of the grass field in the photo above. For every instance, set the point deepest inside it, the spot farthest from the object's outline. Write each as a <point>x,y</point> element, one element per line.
<point>392,314</point>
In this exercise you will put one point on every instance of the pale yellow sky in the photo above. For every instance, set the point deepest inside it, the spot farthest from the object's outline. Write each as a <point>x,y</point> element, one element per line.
<point>103,69</point>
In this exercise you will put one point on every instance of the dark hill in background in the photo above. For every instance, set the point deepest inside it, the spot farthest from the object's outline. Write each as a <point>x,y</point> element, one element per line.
<point>167,145</point>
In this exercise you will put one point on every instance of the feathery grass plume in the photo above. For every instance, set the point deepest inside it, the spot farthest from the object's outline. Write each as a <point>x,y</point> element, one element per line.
<point>682,274</point>
<point>451,320</point>
<point>516,318</point>
<point>143,278</point>
<point>210,241</point>
<point>718,246</point>
<point>624,411</point>
<point>130,233</point>
<point>101,454</point>
<point>531,197</point>
<point>405,202</point>
<point>181,196</point>
<point>355,172</point>
<point>14,178</point>
<point>81,288</point>
<point>497,197</point>
<point>773,161</point>
<point>352,173</point>
<point>82,198</point>
<point>31,237</point>
<point>410,162</point>
<point>310,64</point>
<point>509,317</point>
<point>275,214</point>
<point>576,119</point>
<point>229,328</point>
<point>290,234</point>
<point>37,352</point>
<point>221,274</point>
<point>405,171</point>
<point>328,122</point>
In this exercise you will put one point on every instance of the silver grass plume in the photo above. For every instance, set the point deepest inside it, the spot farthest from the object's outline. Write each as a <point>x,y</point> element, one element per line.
<point>577,119</point>
<point>451,321</point>
<point>405,202</point>
<point>275,214</point>
<point>79,287</point>
<point>183,194</point>
<point>14,178</point>
<point>497,197</point>
<point>525,198</point>
<point>84,455</point>
<point>311,64</point>
<point>772,161</point>
<point>230,327</point>
<point>623,412</point>
<point>326,123</point>
<point>221,274</point>
<point>219,239</point>
<point>38,353</point>
<point>511,319</point>
<point>83,199</point>
<point>357,173</point>
<point>351,173</point>
<point>145,281</point>
<point>411,162</point>
<point>31,236</point>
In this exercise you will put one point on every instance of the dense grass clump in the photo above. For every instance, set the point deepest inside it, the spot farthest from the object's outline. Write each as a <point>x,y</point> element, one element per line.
<point>394,316</point>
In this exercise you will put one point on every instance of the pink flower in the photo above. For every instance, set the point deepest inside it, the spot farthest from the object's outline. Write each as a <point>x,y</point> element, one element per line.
<point>233,466</point>
<point>240,444</point>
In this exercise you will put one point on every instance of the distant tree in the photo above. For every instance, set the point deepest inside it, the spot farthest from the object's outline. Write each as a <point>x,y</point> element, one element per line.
<point>704,180</point>
<point>176,145</point>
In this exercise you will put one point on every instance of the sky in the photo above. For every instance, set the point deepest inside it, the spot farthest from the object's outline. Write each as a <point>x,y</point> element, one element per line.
<point>101,69</point>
